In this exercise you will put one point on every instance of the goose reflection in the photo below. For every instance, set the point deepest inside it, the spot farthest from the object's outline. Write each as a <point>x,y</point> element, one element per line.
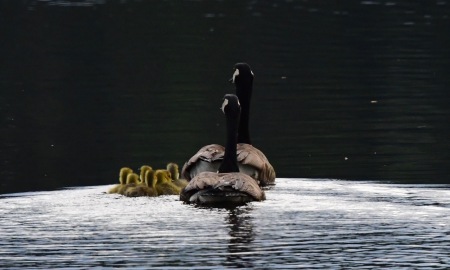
<point>241,234</point>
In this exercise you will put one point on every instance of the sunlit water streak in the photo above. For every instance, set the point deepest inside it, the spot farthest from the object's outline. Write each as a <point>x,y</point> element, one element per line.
<point>304,223</point>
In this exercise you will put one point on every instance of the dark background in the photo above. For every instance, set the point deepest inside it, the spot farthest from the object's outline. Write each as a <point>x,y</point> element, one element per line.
<point>343,89</point>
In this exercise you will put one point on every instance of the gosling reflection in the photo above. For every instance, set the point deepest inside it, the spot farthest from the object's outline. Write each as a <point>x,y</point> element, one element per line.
<point>240,250</point>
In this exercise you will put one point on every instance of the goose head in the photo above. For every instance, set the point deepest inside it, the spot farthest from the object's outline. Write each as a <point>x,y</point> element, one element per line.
<point>242,74</point>
<point>231,107</point>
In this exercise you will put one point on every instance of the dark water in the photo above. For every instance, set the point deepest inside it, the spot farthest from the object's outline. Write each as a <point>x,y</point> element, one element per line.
<point>303,224</point>
<point>342,90</point>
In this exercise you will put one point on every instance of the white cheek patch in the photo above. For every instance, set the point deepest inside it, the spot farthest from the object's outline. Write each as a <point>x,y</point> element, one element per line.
<point>252,73</point>
<point>236,73</point>
<point>224,104</point>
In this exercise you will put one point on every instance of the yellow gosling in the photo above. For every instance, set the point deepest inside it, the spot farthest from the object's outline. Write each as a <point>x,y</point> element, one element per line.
<point>144,189</point>
<point>164,185</point>
<point>122,179</point>
<point>132,181</point>
<point>150,180</point>
<point>144,169</point>
<point>175,175</point>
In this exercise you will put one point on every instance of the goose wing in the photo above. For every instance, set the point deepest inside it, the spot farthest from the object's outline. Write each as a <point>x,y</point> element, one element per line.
<point>207,154</point>
<point>252,156</point>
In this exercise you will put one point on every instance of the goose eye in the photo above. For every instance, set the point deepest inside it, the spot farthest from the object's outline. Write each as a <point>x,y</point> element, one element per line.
<point>225,102</point>
<point>236,73</point>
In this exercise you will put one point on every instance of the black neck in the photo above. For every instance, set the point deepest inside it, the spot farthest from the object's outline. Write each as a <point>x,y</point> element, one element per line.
<point>244,93</point>
<point>229,162</point>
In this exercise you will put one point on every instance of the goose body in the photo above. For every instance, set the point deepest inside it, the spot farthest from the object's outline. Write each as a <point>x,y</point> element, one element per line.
<point>227,185</point>
<point>122,179</point>
<point>207,159</point>
<point>222,188</point>
<point>251,160</point>
<point>254,163</point>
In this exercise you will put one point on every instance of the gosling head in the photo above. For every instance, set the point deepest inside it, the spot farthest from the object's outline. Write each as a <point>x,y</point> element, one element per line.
<point>163,176</point>
<point>144,169</point>
<point>124,172</point>
<point>173,169</point>
<point>150,178</point>
<point>132,178</point>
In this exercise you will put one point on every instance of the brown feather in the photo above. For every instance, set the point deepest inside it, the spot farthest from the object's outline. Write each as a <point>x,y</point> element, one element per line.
<point>249,155</point>
<point>208,153</point>
<point>222,181</point>
<point>246,155</point>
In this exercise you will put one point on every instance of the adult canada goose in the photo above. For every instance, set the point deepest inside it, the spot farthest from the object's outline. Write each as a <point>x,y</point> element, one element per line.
<point>144,169</point>
<point>175,175</point>
<point>132,181</point>
<point>164,185</point>
<point>251,160</point>
<point>228,185</point>
<point>148,188</point>
<point>122,179</point>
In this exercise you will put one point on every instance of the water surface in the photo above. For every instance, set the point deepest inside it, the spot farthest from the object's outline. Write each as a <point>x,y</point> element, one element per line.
<point>304,223</point>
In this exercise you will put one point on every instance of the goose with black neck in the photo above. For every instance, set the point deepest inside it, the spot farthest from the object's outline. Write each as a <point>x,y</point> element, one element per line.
<point>251,160</point>
<point>227,185</point>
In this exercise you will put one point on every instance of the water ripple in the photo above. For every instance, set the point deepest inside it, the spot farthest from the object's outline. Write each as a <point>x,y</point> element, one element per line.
<point>309,224</point>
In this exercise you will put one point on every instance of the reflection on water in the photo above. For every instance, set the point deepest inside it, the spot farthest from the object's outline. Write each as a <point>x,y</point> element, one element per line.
<point>309,224</point>
<point>241,237</point>
<point>342,90</point>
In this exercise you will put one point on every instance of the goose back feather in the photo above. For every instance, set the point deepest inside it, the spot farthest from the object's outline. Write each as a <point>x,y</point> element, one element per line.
<point>207,159</point>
